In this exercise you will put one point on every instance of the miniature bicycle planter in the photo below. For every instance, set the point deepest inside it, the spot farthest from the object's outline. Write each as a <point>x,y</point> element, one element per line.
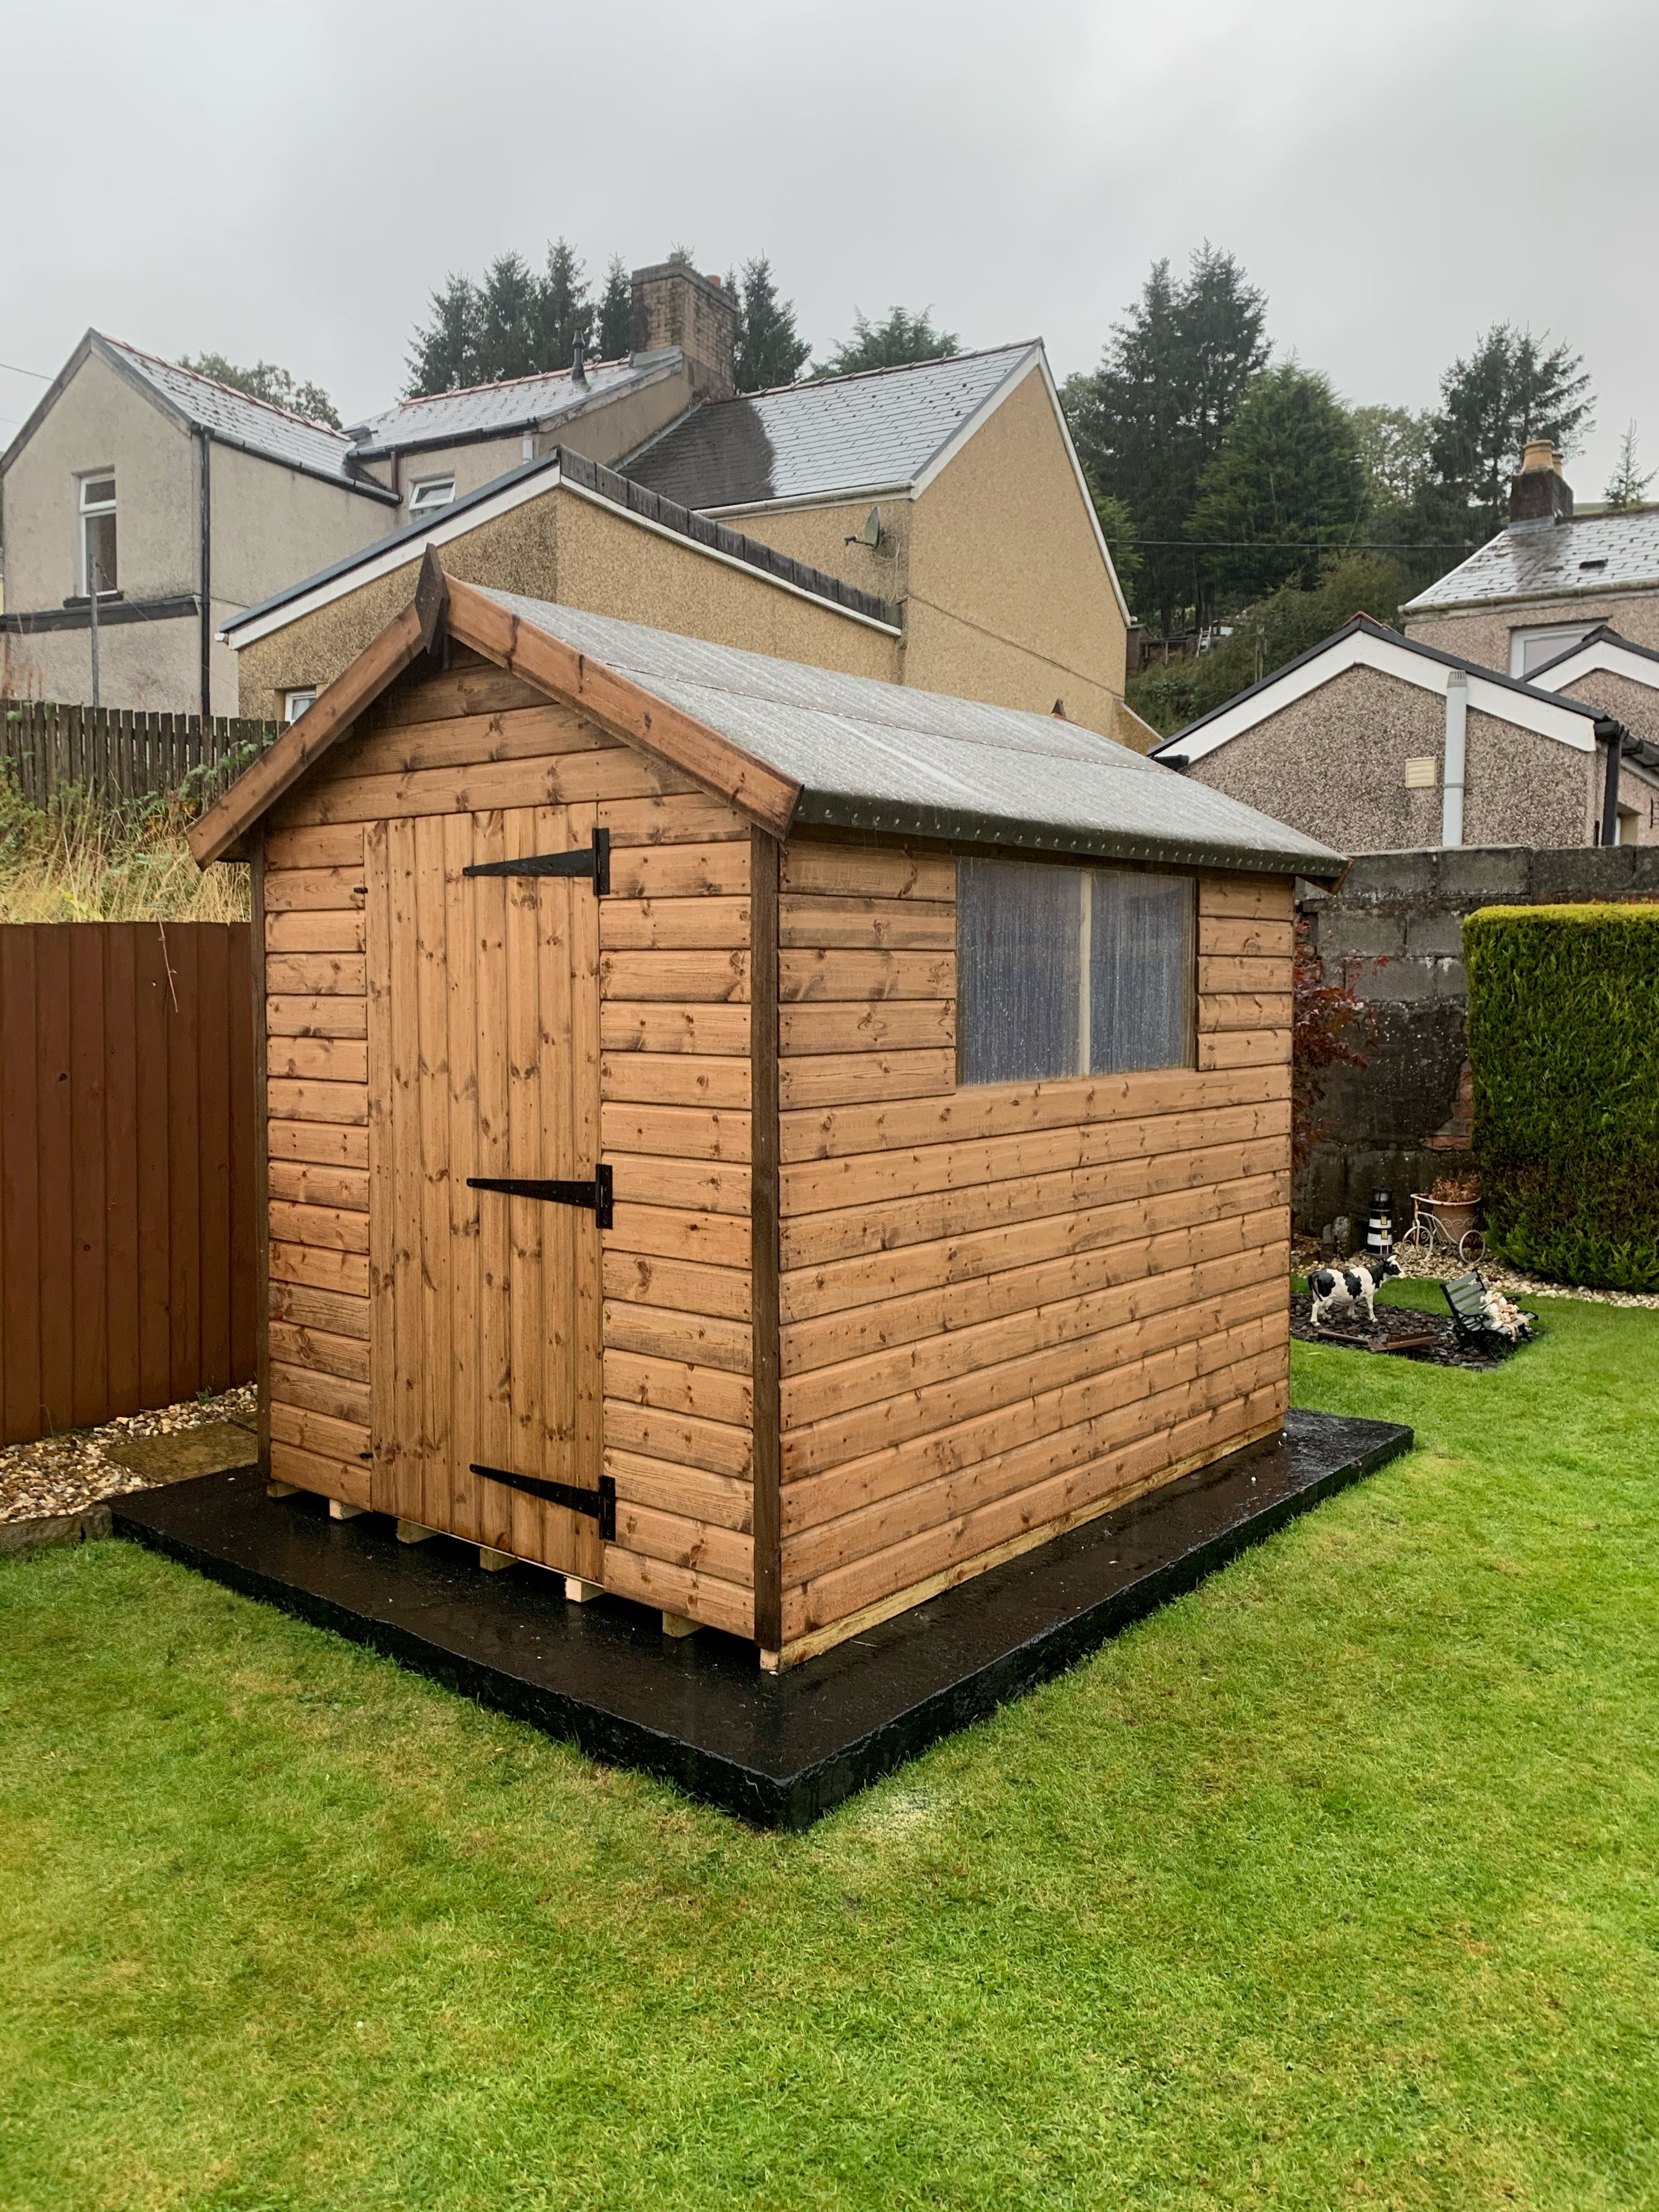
<point>1447,1225</point>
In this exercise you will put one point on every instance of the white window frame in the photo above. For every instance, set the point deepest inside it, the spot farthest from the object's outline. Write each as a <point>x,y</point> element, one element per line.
<point>88,511</point>
<point>431,493</point>
<point>295,702</point>
<point>1559,634</point>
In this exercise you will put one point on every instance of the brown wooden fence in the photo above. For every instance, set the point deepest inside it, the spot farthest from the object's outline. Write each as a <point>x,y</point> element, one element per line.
<point>117,753</point>
<point>126,1167</point>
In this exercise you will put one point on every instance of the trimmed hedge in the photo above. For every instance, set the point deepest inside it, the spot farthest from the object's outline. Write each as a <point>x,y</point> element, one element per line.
<point>1564,1038</point>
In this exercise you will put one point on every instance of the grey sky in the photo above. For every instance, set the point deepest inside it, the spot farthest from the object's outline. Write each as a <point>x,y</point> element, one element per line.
<point>292,181</point>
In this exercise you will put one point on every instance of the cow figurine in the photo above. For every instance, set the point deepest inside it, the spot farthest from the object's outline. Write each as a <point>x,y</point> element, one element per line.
<point>1350,1286</point>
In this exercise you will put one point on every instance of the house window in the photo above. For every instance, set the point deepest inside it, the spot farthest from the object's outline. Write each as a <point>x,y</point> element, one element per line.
<point>295,702</point>
<point>1072,971</point>
<point>1530,649</point>
<point>436,491</point>
<point>97,528</point>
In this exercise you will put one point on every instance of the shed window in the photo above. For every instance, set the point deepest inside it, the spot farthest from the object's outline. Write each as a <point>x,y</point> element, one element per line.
<point>97,507</point>
<point>436,491</point>
<point>1072,971</point>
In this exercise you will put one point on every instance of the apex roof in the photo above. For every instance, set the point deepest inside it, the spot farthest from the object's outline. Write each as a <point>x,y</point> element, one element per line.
<point>876,431</point>
<point>831,750</point>
<point>1592,554</point>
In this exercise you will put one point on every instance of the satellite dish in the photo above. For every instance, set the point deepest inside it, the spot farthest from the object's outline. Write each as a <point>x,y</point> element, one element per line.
<point>873,533</point>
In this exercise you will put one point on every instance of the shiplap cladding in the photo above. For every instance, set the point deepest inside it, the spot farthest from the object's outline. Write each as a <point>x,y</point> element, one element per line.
<point>1002,1306</point>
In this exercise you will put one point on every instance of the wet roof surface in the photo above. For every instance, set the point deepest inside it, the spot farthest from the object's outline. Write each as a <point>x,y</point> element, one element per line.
<point>837,433</point>
<point>881,756</point>
<point>503,407</point>
<point>1554,560</point>
<point>268,430</point>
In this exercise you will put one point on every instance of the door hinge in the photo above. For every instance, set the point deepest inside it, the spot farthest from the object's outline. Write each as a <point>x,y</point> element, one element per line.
<point>595,862</point>
<point>596,1196</point>
<point>598,1504</point>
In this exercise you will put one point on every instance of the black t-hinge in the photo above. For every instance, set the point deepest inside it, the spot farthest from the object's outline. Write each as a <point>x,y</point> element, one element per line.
<point>596,1196</point>
<point>598,1504</point>
<point>595,862</point>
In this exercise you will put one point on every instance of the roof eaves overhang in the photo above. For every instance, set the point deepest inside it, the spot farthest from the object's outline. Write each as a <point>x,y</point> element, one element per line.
<point>953,825</point>
<point>802,502</point>
<point>1644,587</point>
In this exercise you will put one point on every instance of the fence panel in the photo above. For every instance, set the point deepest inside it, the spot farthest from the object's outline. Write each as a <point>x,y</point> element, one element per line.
<point>126,1167</point>
<point>117,753</point>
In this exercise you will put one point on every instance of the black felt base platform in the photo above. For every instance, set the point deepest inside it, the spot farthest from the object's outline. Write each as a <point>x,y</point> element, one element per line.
<point>778,1750</point>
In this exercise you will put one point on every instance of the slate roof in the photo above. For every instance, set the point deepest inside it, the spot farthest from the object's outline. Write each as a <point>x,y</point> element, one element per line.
<point>841,434</point>
<point>881,756</point>
<point>237,420</point>
<point>1596,553</point>
<point>490,409</point>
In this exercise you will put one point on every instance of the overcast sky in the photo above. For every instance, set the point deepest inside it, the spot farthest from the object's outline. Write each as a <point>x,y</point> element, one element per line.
<point>290,182</point>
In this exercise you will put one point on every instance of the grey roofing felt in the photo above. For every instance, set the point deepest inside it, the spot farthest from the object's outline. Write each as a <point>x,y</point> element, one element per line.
<point>1553,561</point>
<point>833,433</point>
<point>241,421</point>
<point>449,417</point>
<point>881,756</point>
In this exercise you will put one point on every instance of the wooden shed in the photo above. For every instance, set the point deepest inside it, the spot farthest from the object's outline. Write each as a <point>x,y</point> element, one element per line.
<point>762,1143</point>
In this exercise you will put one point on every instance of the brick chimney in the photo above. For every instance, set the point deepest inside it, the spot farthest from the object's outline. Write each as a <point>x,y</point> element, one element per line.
<point>1540,494</point>
<point>673,305</point>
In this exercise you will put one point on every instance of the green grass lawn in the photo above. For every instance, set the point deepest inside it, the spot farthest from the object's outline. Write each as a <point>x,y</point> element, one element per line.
<point>1333,1884</point>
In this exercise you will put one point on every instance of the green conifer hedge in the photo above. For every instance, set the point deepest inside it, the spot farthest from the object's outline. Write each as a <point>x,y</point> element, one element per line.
<point>1563,1037</point>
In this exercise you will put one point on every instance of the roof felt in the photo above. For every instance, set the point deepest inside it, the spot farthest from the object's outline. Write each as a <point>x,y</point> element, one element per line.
<point>830,435</point>
<point>449,416</point>
<point>1553,561</point>
<point>881,756</point>
<point>239,420</point>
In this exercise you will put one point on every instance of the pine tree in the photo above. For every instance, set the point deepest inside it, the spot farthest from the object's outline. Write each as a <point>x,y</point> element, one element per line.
<point>445,354</point>
<point>509,315</point>
<point>564,312</point>
<point>903,337</point>
<point>1286,489</point>
<point>1511,388</point>
<point>616,312</point>
<point>1151,418</point>
<point>770,350</point>
<point>1627,483</point>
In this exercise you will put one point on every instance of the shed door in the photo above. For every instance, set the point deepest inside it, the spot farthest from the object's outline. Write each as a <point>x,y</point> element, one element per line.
<point>484,1059</point>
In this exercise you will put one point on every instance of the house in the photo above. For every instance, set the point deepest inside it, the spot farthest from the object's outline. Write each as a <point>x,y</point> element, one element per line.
<point>762,1142</point>
<point>927,525</point>
<point>1547,580</point>
<point>1372,741</point>
<point>182,501</point>
<point>193,501</point>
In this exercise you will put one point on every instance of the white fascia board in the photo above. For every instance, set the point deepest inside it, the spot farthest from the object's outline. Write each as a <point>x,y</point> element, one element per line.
<point>445,528</point>
<point>1615,660</point>
<point>728,560</point>
<point>1569,727</point>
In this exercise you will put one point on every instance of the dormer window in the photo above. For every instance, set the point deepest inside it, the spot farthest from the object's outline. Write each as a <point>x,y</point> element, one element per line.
<point>96,554</point>
<point>436,491</point>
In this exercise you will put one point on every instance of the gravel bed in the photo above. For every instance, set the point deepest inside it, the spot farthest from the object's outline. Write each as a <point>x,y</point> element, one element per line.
<point>65,1473</point>
<point>1437,1267</point>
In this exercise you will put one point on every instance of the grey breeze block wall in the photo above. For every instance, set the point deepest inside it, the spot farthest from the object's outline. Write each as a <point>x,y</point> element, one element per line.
<point>1394,932</point>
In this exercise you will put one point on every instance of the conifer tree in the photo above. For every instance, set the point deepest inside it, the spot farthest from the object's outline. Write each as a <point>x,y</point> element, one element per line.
<point>616,313</point>
<point>1627,483</point>
<point>770,350</point>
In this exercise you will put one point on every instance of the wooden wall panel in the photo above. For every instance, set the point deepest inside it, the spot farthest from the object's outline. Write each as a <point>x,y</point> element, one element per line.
<point>126,1169</point>
<point>1005,1307</point>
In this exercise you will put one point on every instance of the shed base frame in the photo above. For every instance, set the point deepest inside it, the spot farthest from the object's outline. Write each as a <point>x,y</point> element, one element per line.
<point>778,1750</point>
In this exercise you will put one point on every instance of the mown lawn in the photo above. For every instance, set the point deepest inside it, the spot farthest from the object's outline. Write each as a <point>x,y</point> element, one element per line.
<point>1334,1884</point>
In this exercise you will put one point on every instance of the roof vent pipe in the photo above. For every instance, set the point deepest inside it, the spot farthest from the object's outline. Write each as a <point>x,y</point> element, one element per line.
<point>579,363</point>
<point>1451,800</point>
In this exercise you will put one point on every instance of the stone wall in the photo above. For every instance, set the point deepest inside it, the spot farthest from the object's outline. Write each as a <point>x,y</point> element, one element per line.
<point>1394,932</point>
